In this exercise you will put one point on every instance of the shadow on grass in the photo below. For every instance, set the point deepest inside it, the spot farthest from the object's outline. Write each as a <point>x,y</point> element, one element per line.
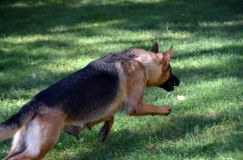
<point>11,63</point>
<point>229,138</point>
<point>178,128</point>
<point>225,50</point>
<point>125,142</point>
<point>176,15</point>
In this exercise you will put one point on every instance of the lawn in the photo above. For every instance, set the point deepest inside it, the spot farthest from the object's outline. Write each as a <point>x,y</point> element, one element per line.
<point>43,41</point>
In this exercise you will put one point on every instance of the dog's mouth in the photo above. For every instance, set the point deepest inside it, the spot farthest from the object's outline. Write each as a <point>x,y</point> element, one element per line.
<point>170,89</point>
<point>167,88</point>
<point>171,83</point>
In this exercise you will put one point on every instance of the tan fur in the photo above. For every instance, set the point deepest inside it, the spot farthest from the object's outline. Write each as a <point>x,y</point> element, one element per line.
<point>146,70</point>
<point>154,67</point>
<point>41,135</point>
<point>18,141</point>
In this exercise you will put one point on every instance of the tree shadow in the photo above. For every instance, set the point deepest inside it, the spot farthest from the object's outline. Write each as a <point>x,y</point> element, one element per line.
<point>175,15</point>
<point>231,66</point>
<point>177,128</point>
<point>234,49</point>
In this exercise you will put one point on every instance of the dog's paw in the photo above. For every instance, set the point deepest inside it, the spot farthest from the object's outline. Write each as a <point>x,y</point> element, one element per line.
<point>166,110</point>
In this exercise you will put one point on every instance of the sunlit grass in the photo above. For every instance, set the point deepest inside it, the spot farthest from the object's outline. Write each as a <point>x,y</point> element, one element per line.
<point>43,41</point>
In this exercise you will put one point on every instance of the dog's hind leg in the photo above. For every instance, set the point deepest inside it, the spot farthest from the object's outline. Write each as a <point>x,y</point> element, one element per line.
<point>105,130</point>
<point>73,130</point>
<point>18,144</point>
<point>41,134</point>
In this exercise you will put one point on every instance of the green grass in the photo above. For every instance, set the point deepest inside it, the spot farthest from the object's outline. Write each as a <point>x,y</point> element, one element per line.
<point>46,40</point>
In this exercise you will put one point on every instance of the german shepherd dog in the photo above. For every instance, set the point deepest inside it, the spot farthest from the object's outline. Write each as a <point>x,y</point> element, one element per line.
<point>90,96</point>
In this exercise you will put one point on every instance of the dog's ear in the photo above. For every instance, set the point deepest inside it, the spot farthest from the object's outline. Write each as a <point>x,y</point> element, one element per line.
<point>155,47</point>
<point>167,55</point>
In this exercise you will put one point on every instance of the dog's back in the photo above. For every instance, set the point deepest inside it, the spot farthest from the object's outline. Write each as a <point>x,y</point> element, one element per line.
<point>87,92</point>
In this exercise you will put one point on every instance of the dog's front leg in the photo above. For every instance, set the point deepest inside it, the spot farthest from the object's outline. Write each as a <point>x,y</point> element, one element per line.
<point>137,107</point>
<point>148,109</point>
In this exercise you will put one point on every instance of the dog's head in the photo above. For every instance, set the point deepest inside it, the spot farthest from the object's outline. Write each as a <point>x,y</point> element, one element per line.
<point>161,72</point>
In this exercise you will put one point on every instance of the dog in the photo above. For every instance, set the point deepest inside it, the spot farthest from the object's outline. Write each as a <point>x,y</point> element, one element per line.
<point>91,95</point>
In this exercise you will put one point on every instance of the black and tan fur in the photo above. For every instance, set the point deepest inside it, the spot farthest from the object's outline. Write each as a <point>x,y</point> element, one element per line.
<point>90,96</point>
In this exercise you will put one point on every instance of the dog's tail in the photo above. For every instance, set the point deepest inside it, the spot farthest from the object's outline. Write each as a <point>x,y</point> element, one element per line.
<point>16,121</point>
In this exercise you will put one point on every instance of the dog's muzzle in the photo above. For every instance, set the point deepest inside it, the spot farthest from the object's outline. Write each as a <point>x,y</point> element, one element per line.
<point>170,83</point>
